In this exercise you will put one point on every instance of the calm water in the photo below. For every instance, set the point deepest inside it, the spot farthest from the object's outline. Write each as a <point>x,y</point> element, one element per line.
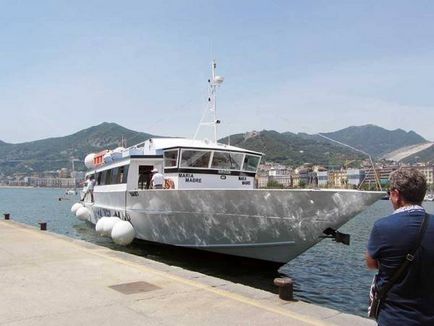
<point>328,274</point>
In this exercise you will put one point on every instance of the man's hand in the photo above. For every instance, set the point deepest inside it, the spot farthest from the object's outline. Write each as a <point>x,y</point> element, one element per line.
<point>371,262</point>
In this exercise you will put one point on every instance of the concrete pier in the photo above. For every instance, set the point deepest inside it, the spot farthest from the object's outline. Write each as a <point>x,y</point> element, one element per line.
<point>49,279</point>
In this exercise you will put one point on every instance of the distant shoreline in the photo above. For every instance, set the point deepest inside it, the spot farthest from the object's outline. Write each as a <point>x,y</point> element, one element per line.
<point>28,187</point>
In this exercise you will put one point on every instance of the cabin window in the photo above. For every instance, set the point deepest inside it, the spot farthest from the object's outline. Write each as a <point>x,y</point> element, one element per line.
<point>108,177</point>
<point>227,160</point>
<point>123,173</point>
<point>102,178</point>
<point>195,158</point>
<point>98,178</point>
<point>251,163</point>
<point>115,175</point>
<point>171,159</point>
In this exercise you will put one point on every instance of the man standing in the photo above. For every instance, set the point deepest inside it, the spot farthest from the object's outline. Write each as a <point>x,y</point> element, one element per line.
<point>157,180</point>
<point>91,187</point>
<point>410,301</point>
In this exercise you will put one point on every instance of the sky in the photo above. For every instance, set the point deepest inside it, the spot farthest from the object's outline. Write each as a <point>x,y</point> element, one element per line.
<point>298,66</point>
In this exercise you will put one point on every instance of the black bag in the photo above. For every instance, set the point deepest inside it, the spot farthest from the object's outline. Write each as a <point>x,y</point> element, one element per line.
<point>377,295</point>
<point>374,300</point>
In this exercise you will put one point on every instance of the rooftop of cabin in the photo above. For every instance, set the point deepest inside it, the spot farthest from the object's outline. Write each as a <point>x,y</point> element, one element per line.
<point>153,144</point>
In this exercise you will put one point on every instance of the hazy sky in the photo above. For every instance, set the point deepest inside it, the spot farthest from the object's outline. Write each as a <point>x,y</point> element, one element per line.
<point>300,66</point>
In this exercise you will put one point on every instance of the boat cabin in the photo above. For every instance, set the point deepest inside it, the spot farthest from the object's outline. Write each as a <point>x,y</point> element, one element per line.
<point>185,164</point>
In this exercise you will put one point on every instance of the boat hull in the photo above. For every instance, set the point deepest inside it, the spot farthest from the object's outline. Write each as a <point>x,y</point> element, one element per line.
<point>272,225</point>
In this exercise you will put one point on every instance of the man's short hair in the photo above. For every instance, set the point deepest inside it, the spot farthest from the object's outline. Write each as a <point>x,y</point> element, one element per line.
<point>411,184</point>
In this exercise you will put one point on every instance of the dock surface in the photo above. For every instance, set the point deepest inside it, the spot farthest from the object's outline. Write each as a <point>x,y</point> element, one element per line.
<point>50,279</point>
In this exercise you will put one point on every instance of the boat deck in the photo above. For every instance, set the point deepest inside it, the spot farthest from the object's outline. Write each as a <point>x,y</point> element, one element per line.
<point>49,279</point>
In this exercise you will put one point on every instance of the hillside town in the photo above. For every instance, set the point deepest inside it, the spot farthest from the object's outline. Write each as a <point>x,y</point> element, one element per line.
<point>270,175</point>
<point>63,178</point>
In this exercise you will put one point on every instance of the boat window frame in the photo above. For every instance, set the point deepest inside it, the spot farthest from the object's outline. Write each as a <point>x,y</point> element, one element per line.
<point>101,175</point>
<point>242,154</point>
<point>178,157</point>
<point>257,165</point>
<point>210,151</point>
<point>126,168</point>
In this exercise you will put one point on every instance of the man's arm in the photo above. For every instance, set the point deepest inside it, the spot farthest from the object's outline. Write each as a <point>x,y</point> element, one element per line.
<point>371,263</point>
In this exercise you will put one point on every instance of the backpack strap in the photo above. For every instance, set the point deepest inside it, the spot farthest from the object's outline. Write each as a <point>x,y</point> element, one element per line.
<point>408,259</point>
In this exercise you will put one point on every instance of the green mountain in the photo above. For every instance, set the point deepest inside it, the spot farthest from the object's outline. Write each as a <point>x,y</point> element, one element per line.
<point>375,140</point>
<point>293,149</point>
<point>55,153</point>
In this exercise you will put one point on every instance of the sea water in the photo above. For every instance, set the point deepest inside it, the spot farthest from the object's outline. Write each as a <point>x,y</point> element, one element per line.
<point>328,274</point>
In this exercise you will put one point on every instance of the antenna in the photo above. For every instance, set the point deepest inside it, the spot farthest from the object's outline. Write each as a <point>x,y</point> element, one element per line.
<point>377,179</point>
<point>123,142</point>
<point>214,82</point>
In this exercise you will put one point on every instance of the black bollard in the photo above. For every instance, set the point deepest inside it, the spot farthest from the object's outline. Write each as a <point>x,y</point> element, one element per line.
<point>43,226</point>
<point>285,285</point>
<point>7,216</point>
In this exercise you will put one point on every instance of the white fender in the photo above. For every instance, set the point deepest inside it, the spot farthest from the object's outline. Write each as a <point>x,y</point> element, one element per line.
<point>99,226</point>
<point>108,225</point>
<point>75,207</point>
<point>123,233</point>
<point>83,213</point>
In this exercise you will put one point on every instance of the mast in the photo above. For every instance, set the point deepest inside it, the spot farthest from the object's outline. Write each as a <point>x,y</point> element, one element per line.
<point>214,82</point>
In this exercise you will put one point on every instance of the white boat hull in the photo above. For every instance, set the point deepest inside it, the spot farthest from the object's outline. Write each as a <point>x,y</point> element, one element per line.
<point>271,225</point>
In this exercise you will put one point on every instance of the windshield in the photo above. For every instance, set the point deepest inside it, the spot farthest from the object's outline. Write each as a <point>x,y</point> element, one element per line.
<point>170,158</point>
<point>251,163</point>
<point>227,160</point>
<point>195,158</point>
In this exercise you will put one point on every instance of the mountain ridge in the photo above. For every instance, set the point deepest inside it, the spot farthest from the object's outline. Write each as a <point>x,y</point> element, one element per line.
<point>57,152</point>
<point>375,140</point>
<point>286,147</point>
<point>291,149</point>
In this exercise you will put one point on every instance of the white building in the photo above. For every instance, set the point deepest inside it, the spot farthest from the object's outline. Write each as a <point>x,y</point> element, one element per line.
<point>355,177</point>
<point>323,178</point>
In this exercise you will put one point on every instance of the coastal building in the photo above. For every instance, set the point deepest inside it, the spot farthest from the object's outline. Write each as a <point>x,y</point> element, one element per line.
<point>323,178</point>
<point>284,180</point>
<point>381,171</point>
<point>64,173</point>
<point>428,172</point>
<point>355,177</point>
<point>276,172</point>
<point>51,182</point>
<point>262,181</point>
<point>338,178</point>
<point>305,176</point>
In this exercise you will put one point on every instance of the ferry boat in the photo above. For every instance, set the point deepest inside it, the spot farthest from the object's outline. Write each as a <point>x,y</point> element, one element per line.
<point>210,200</point>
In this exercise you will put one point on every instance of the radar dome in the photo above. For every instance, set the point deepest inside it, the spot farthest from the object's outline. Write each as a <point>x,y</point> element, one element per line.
<point>218,79</point>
